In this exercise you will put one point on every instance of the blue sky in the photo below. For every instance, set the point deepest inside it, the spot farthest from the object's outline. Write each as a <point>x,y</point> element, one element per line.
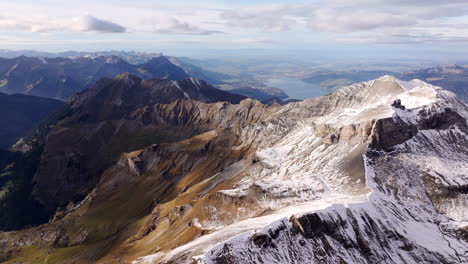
<point>379,27</point>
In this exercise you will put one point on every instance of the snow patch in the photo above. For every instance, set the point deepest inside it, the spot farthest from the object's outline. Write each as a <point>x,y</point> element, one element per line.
<point>178,86</point>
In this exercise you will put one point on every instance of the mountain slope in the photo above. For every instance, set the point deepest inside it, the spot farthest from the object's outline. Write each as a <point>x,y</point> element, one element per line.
<point>375,172</point>
<point>20,113</point>
<point>73,147</point>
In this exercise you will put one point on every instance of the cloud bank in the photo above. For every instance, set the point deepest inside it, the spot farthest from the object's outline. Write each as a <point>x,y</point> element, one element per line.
<point>85,23</point>
<point>375,21</point>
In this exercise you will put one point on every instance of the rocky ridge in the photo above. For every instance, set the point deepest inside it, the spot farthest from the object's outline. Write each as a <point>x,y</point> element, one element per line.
<point>349,177</point>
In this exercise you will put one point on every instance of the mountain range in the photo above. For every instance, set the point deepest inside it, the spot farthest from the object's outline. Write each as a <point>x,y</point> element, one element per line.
<point>132,57</point>
<point>451,77</point>
<point>160,171</point>
<point>62,77</point>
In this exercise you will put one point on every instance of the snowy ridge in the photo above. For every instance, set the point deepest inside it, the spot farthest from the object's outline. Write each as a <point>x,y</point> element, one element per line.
<point>372,100</point>
<point>178,87</point>
<point>414,222</point>
<point>43,60</point>
<point>196,82</point>
<point>328,189</point>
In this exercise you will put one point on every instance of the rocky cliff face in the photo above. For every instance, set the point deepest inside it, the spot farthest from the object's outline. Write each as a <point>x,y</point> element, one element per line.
<point>352,177</point>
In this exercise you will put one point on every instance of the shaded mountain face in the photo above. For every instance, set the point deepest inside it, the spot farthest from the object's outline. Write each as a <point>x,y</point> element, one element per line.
<point>74,146</point>
<point>452,77</point>
<point>375,172</point>
<point>60,78</point>
<point>20,113</point>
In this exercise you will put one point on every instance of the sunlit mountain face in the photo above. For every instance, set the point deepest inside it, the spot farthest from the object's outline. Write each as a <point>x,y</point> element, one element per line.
<point>217,132</point>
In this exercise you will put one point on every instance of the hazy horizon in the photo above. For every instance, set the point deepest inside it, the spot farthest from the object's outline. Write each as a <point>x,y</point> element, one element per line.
<point>334,29</point>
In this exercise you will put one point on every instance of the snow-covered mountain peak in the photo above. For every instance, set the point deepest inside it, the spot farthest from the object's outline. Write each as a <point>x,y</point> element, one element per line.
<point>367,101</point>
<point>417,94</point>
<point>373,173</point>
<point>407,85</point>
<point>367,161</point>
<point>388,78</point>
<point>414,93</point>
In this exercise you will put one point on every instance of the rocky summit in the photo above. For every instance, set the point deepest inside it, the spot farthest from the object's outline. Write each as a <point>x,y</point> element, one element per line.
<point>138,171</point>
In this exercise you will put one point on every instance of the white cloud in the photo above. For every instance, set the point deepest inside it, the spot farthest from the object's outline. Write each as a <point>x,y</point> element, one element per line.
<point>253,41</point>
<point>270,18</point>
<point>89,23</point>
<point>175,26</point>
<point>359,20</point>
<point>343,15</point>
<point>85,23</point>
<point>336,20</point>
<point>8,24</point>
<point>405,36</point>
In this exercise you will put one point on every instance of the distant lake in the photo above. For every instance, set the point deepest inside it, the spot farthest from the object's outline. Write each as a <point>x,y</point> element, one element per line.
<point>297,88</point>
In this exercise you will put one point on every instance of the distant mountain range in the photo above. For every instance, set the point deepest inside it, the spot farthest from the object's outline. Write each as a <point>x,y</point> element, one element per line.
<point>452,77</point>
<point>132,57</point>
<point>62,77</point>
<point>19,113</point>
